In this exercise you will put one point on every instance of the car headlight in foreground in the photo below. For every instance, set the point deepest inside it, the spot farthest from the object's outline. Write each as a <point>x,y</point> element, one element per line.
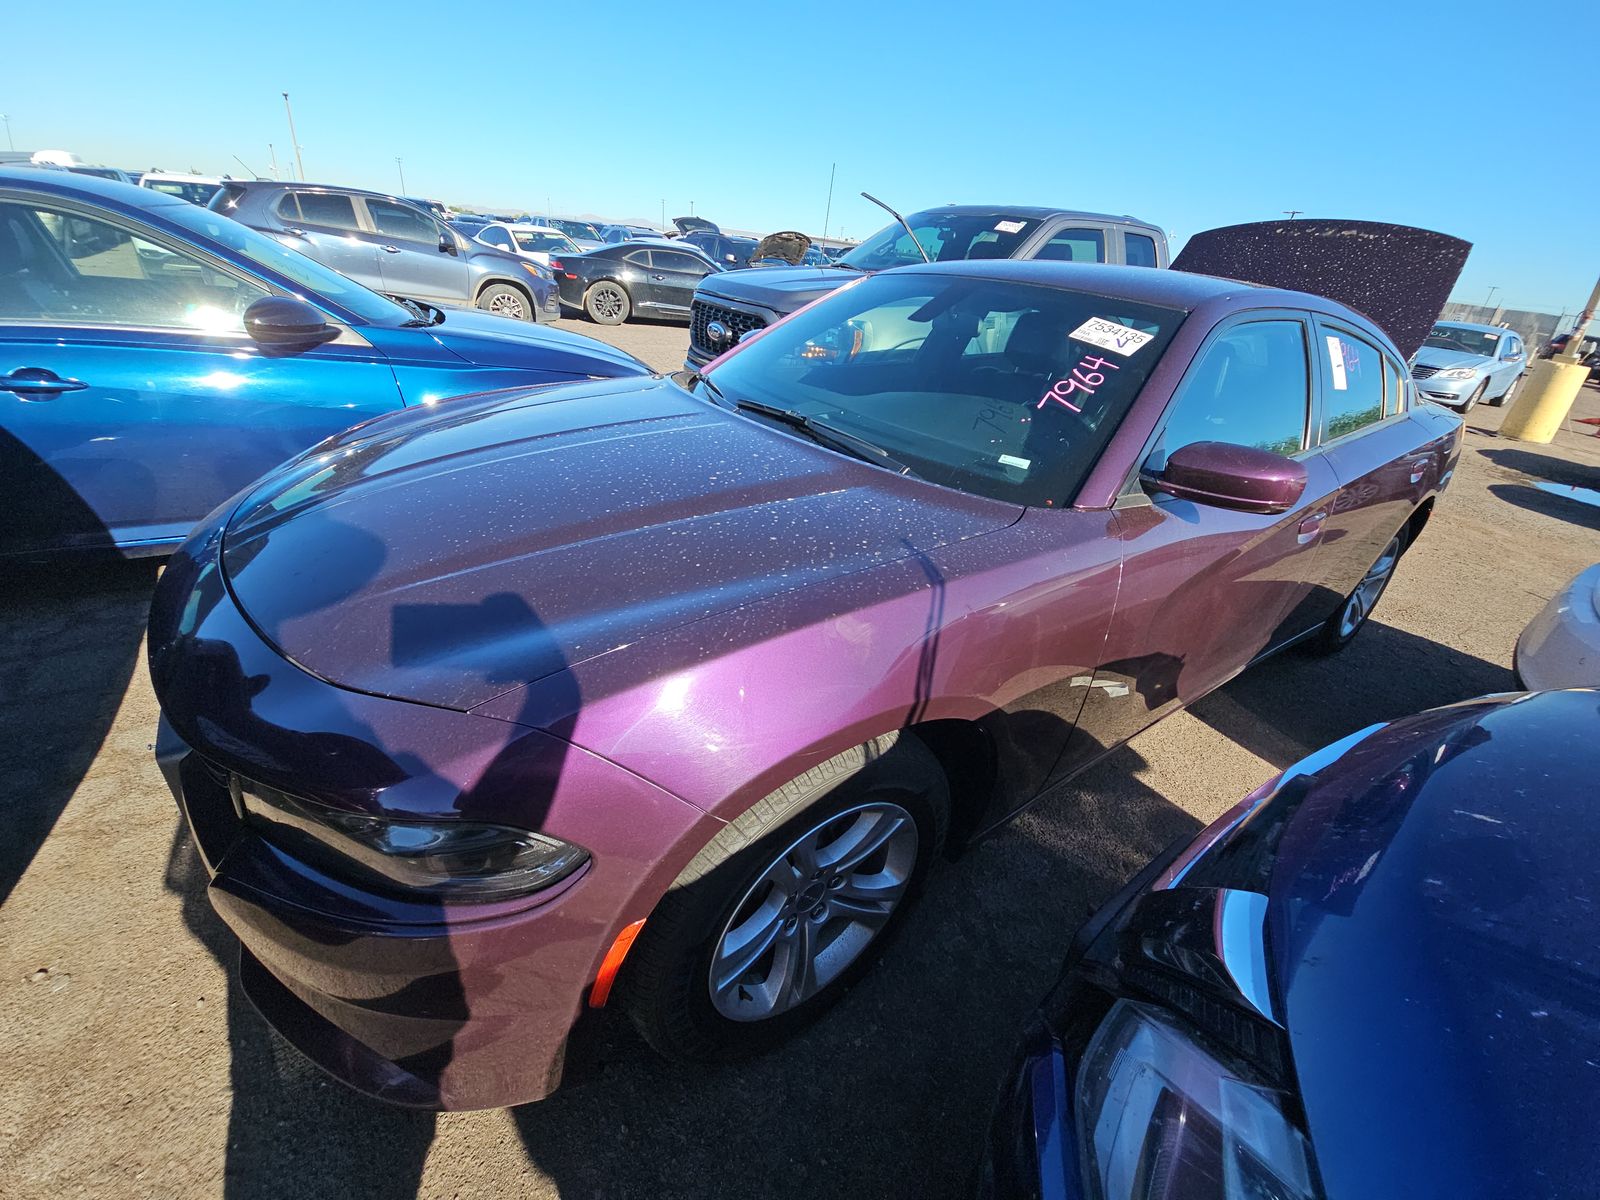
<point>1161,1116</point>
<point>1458,373</point>
<point>449,860</point>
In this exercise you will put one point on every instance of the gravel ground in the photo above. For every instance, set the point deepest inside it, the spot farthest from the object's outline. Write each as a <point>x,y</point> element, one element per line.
<point>134,1068</point>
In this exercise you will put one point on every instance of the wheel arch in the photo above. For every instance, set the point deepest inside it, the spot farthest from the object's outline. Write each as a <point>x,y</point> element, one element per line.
<point>515,285</point>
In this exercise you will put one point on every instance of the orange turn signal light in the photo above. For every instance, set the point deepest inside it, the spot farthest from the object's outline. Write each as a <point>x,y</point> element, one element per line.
<point>601,991</point>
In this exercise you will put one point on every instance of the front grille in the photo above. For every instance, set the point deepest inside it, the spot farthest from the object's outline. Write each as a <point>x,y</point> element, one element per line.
<point>1420,372</point>
<point>702,313</point>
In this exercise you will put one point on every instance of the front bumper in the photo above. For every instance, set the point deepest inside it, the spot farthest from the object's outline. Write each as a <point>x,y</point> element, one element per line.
<point>416,1002</point>
<point>1452,392</point>
<point>1560,648</point>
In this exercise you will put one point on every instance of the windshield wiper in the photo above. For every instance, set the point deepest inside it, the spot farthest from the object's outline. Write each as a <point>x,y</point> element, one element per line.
<point>420,315</point>
<point>828,435</point>
<point>844,266</point>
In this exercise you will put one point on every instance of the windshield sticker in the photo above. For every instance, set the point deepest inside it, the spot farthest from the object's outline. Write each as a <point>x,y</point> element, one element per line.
<point>1336,360</point>
<point>1491,337</point>
<point>1085,378</point>
<point>1010,226</point>
<point>1108,335</point>
<point>1011,460</point>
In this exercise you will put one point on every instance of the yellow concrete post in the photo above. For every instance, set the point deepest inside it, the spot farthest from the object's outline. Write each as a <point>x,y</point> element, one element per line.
<point>1545,401</point>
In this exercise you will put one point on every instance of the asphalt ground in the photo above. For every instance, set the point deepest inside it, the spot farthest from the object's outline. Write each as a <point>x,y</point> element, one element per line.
<point>133,1067</point>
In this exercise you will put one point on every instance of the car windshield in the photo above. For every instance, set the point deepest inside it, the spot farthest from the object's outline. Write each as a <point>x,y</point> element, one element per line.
<point>317,279</point>
<point>544,241</point>
<point>946,236</point>
<point>1003,389</point>
<point>1471,341</point>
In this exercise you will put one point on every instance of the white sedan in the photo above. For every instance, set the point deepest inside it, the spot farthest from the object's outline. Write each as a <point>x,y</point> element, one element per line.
<point>537,242</point>
<point>1560,648</point>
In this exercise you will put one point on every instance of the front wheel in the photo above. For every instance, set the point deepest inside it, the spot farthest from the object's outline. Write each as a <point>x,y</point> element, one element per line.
<point>789,904</point>
<point>1472,400</point>
<point>607,303</point>
<point>503,300</point>
<point>1343,626</point>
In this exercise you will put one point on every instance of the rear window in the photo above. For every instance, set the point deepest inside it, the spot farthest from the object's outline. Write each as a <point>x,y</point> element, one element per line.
<point>328,209</point>
<point>1139,250</point>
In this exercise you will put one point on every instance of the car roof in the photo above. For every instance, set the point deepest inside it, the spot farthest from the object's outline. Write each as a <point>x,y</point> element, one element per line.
<point>1473,325</point>
<point>524,227</point>
<point>1033,212</point>
<point>1162,286</point>
<point>259,185</point>
<point>85,187</point>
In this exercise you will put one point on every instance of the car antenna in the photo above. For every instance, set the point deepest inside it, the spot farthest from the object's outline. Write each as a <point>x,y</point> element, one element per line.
<point>903,225</point>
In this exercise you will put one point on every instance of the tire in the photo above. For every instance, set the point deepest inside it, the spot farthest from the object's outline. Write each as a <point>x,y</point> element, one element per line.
<point>506,301</point>
<point>1351,617</point>
<point>1472,400</point>
<point>891,789</point>
<point>607,303</point>
<point>1507,396</point>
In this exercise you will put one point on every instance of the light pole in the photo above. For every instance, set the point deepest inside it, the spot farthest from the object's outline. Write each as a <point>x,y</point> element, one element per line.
<point>1490,296</point>
<point>1292,213</point>
<point>827,213</point>
<point>6,117</point>
<point>293,140</point>
<point>401,167</point>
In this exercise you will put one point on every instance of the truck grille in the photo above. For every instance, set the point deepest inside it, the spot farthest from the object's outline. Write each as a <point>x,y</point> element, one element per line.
<point>702,313</point>
<point>1423,372</point>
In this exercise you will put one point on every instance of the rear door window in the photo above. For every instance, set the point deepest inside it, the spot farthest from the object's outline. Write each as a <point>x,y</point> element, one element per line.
<point>1139,250</point>
<point>1075,245</point>
<point>328,209</point>
<point>1352,382</point>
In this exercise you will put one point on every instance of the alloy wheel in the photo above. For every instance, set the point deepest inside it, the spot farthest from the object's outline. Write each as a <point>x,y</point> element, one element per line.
<point>813,911</point>
<point>1359,606</point>
<point>507,305</point>
<point>607,303</point>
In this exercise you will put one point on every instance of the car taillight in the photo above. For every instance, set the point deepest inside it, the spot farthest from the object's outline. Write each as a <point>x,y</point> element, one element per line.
<point>560,268</point>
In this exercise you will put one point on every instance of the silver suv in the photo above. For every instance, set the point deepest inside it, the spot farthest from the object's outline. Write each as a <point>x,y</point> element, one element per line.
<point>392,246</point>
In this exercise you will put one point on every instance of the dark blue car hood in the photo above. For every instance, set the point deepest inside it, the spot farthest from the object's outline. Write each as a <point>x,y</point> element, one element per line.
<point>491,341</point>
<point>1435,936</point>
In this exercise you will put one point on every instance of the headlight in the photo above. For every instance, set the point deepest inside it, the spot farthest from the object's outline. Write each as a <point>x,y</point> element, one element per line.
<point>1159,1116</point>
<point>448,860</point>
<point>537,270</point>
<point>1458,373</point>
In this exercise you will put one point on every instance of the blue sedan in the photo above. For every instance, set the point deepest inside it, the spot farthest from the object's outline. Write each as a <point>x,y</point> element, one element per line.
<point>156,357</point>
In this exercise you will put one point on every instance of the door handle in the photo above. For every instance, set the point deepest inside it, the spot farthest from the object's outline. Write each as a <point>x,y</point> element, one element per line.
<point>390,249</point>
<point>1311,526</point>
<point>658,277</point>
<point>37,382</point>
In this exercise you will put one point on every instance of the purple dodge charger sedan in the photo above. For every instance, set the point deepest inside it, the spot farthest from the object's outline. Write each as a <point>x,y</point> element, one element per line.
<point>669,693</point>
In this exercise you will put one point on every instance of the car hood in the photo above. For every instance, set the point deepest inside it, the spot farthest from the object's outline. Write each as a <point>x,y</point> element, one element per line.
<point>450,556</point>
<point>491,341</point>
<point>1432,932</point>
<point>782,289</point>
<point>1445,360</point>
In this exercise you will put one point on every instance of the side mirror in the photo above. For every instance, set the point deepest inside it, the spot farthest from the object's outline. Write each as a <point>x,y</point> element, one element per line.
<point>287,323</point>
<point>447,244</point>
<point>1224,476</point>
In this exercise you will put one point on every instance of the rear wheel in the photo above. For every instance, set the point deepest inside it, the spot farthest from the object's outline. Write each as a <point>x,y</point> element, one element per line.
<point>607,303</point>
<point>1343,626</point>
<point>1507,396</point>
<point>503,300</point>
<point>789,904</point>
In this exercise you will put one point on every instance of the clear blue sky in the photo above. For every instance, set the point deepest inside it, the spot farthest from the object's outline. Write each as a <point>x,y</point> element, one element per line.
<point>1190,115</point>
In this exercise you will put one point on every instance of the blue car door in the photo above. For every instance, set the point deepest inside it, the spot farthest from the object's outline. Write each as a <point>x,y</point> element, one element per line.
<point>131,401</point>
